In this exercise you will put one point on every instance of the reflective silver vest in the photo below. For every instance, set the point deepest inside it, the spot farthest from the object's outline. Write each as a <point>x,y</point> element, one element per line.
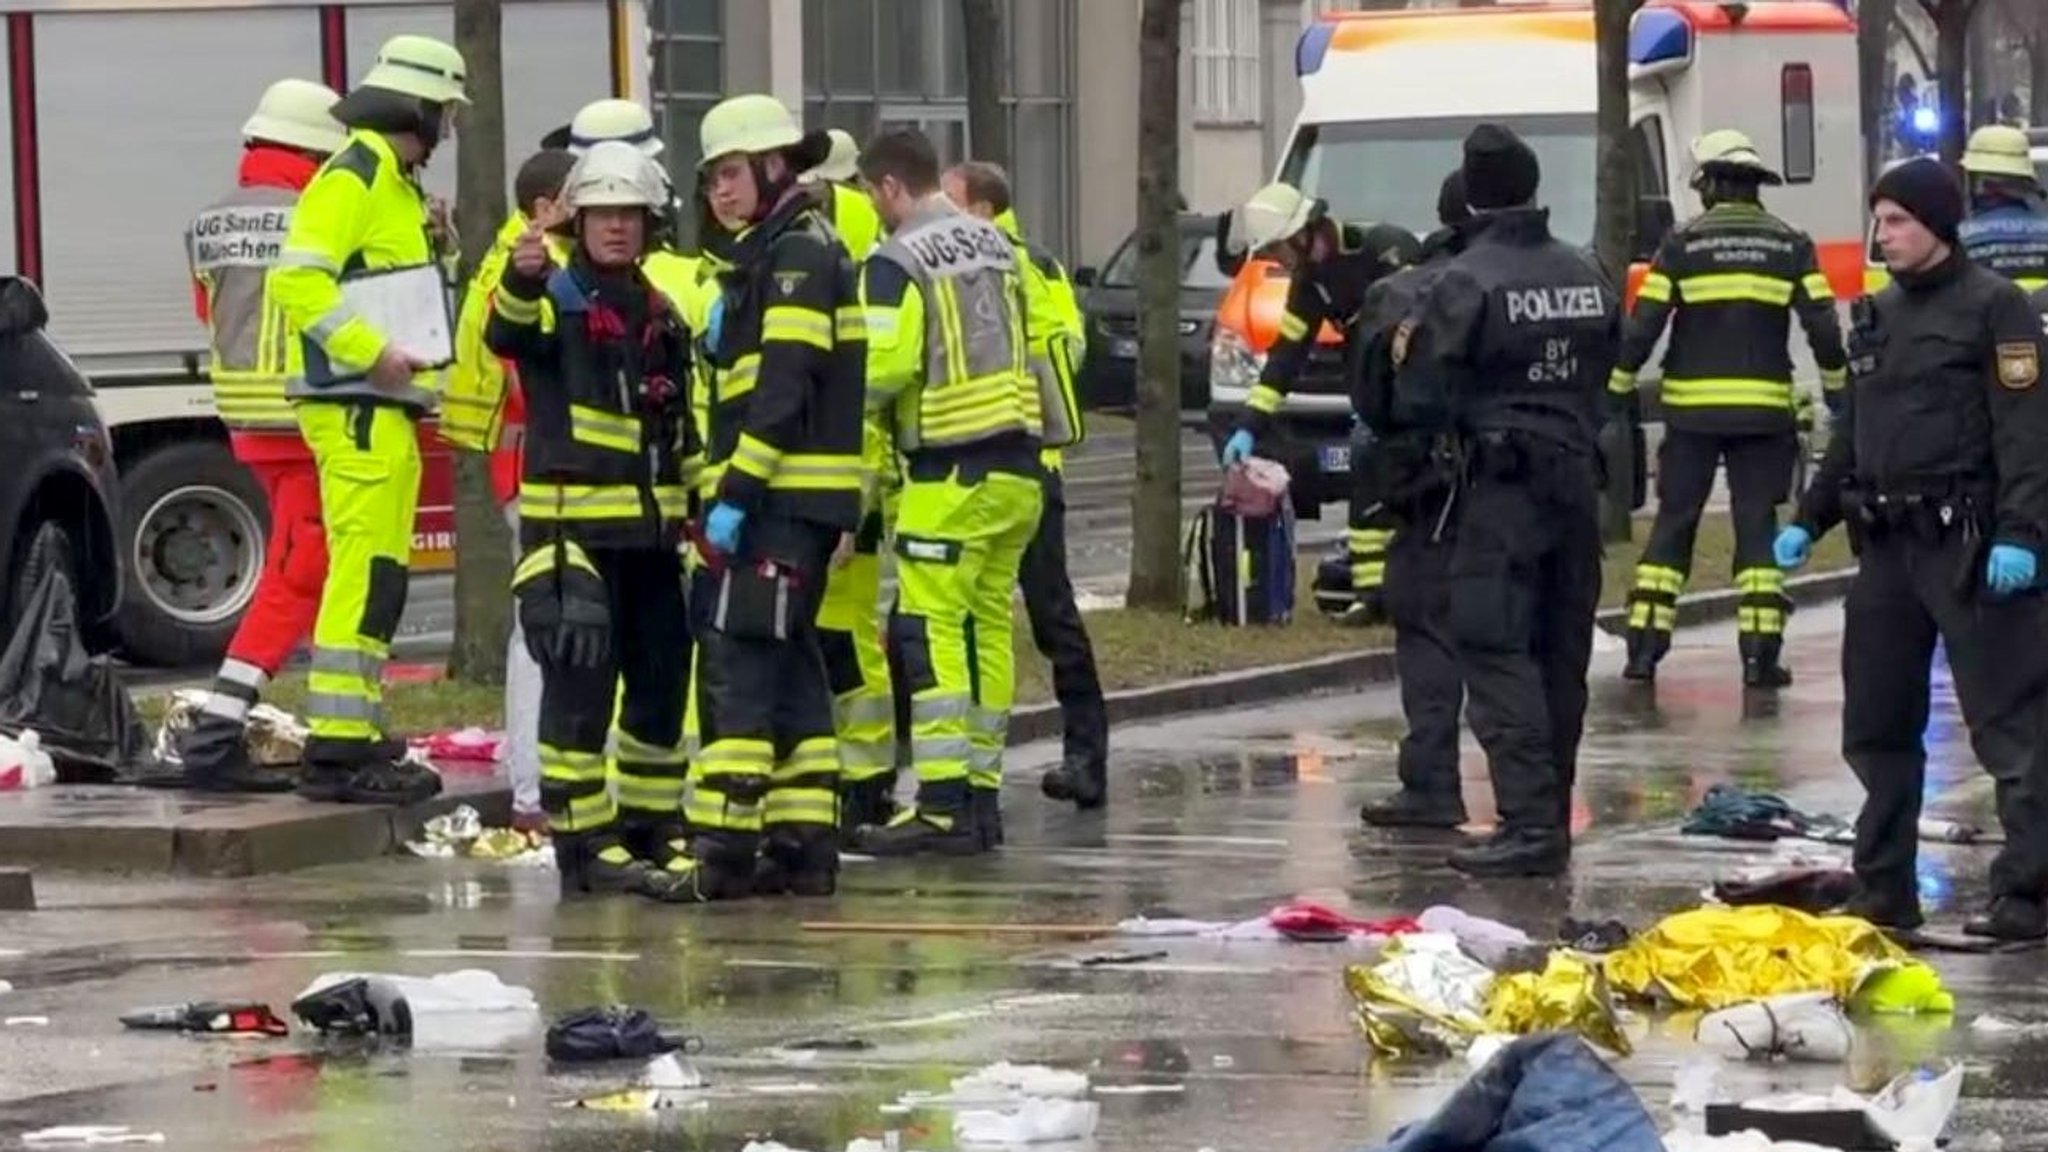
<point>231,245</point>
<point>978,383</point>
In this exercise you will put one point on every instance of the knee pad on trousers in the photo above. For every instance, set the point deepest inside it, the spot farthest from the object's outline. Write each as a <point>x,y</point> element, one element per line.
<point>385,604</point>
<point>842,660</point>
<point>910,642</point>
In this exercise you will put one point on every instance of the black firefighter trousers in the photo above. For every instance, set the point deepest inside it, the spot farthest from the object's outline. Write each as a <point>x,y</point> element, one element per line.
<point>1425,660</point>
<point>1909,592</point>
<point>1061,637</point>
<point>1524,585</point>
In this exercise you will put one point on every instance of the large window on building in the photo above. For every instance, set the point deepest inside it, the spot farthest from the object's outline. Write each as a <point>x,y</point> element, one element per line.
<point>875,63</point>
<point>1223,53</point>
<point>688,41</point>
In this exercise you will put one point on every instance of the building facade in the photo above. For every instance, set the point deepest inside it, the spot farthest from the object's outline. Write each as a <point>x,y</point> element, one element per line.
<point>1070,89</point>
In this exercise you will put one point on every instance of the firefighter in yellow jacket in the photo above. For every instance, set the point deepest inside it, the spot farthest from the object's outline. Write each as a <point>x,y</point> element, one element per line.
<point>358,400</point>
<point>1057,336</point>
<point>846,204</point>
<point>950,361</point>
<point>783,451</point>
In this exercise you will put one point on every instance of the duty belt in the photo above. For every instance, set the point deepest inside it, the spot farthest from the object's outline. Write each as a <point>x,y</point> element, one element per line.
<point>1927,515</point>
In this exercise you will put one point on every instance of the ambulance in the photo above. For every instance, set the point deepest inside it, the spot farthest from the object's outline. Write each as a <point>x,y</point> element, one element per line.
<point>121,121</point>
<point>1387,98</point>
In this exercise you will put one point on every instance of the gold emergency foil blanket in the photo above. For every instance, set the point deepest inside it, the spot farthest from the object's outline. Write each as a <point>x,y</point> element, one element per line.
<point>1713,958</point>
<point>1569,994</point>
<point>1423,998</point>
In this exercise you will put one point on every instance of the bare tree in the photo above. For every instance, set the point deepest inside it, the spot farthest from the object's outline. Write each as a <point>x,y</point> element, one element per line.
<point>1951,58</point>
<point>2027,22</point>
<point>1874,23</point>
<point>1615,230</point>
<point>988,130</point>
<point>483,556</point>
<point>1155,499</point>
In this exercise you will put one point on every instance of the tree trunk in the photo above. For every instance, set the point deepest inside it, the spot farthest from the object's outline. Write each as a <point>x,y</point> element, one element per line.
<point>2030,22</point>
<point>483,554</point>
<point>1951,58</point>
<point>988,129</point>
<point>1155,498</point>
<point>1614,234</point>
<point>1873,39</point>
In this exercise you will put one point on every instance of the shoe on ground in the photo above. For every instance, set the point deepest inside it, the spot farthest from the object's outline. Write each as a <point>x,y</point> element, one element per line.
<point>1765,674</point>
<point>1893,915</point>
<point>1405,809</point>
<point>398,784</point>
<point>920,832</point>
<point>2012,919</point>
<point>1083,784</point>
<point>1515,852</point>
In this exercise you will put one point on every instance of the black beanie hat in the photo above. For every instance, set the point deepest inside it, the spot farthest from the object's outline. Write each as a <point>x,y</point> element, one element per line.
<point>1451,207</point>
<point>1500,171</point>
<point>1928,192</point>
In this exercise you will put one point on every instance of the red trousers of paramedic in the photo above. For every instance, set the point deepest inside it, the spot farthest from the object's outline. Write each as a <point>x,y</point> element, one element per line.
<point>294,566</point>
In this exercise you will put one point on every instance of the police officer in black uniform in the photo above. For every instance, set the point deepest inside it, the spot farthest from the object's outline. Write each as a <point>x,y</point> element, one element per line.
<point>1403,483</point>
<point>1728,283</point>
<point>1508,352</point>
<point>1937,466</point>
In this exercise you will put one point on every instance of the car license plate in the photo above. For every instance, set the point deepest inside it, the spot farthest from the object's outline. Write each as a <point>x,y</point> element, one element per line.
<point>1123,349</point>
<point>1336,457</point>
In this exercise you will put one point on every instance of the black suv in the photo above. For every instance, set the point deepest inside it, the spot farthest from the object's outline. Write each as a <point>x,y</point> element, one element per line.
<point>1109,301</point>
<point>57,491</point>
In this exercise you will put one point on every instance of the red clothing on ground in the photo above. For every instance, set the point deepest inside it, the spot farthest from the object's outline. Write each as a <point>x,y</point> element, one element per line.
<point>294,566</point>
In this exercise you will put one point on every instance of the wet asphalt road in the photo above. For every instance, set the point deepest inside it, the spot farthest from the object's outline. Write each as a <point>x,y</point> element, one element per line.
<point>1217,817</point>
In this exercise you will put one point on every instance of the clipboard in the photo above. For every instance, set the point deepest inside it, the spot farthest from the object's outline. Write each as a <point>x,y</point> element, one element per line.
<point>410,306</point>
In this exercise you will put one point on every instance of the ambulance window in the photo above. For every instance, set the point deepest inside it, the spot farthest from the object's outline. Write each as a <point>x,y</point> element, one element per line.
<point>1648,141</point>
<point>1795,87</point>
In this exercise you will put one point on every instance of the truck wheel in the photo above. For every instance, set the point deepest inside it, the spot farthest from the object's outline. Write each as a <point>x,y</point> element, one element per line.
<point>46,546</point>
<point>192,540</point>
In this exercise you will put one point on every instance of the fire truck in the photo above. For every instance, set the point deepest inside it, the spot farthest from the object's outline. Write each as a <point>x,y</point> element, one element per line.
<point>122,121</point>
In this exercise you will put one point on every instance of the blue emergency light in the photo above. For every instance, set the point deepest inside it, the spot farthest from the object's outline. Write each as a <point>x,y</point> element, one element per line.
<point>1657,35</point>
<point>1312,47</point>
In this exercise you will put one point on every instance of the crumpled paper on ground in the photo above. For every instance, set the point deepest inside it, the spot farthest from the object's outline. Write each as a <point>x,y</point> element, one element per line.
<point>1718,957</point>
<point>1035,1120</point>
<point>1424,997</point>
<point>462,833</point>
<point>1570,994</point>
<point>275,737</point>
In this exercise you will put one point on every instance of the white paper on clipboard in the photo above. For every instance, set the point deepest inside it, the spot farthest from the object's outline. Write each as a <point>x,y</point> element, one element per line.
<point>410,307</point>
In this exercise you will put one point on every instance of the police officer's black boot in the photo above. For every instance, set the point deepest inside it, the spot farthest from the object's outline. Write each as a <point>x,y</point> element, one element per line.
<point>1082,781</point>
<point>940,824</point>
<point>1898,911</point>
<point>1406,809</point>
<point>1646,646</point>
<point>215,755</point>
<point>1516,852</point>
<point>1760,666</point>
<point>2010,918</point>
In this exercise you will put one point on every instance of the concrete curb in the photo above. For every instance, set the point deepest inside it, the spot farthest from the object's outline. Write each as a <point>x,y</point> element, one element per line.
<point>1331,674</point>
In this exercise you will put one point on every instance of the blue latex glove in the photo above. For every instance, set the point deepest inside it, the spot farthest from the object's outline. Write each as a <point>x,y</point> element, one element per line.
<point>1793,545</point>
<point>714,322</point>
<point>722,527</point>
<point>1238,448</point>
<point>2009,569</point>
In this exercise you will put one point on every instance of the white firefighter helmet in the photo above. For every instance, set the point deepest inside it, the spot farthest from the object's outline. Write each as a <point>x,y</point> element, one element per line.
<point>613,119</point>
<point>1273,214</point>
<point>298,114</point>
<point>419,66</point>
<point>1998,150</point>
<point>614,174</point>
<point>1729,149</point>
<point>751,125</point>
<point>842,163</point>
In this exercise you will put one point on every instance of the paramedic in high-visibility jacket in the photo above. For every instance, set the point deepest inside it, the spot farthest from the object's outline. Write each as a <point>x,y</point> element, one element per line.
<point>1331,263</point>
<point>1057,336</point>
<point>603,361</point>
<point>949,361</point>
<point>358,401</point>
<point>783,466</point>
<point>847,205</point>
<point>231,246</point>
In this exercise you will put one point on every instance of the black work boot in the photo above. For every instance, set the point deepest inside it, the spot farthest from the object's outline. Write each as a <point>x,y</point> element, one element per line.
<point>1646,646</point>
<point>798,861</point>
<point>1406,809</point>
<point>1516,852</point>
<point>597,863</point>
<point>1368,609</point>
<point>1760,667</point>
<point>1081,780</point>
<point>871,801</point>
<point>1895,912</point>
<point>2010,918</point>
<point>215,755</point>
<point>726,863</point>
<point>942,823</point>
<point>386,782</point>
<point>986,806</point>
<point>324,781</point>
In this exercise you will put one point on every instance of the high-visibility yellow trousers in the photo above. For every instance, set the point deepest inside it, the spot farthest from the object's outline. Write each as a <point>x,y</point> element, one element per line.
<point>368,456</point>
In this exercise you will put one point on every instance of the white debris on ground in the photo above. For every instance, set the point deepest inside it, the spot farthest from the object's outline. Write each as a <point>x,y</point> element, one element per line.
<point>1035,1120</point>
<point>88,1134</point>
<point>1007,1081</point>
<point>669,1073</point>
<point>461,833</point>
